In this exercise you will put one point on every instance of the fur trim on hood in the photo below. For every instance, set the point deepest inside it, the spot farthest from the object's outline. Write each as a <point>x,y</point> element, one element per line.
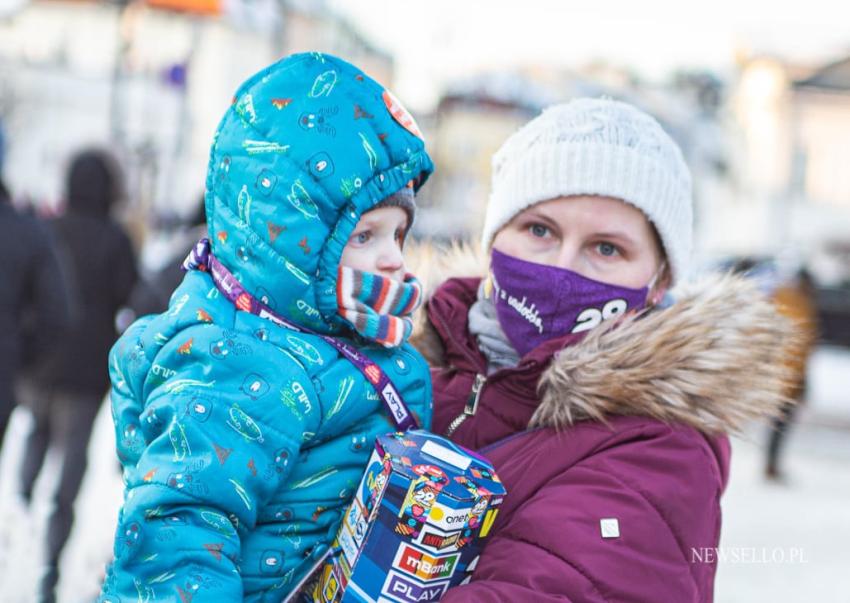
<point>433,265</point>
<point>713,360</point>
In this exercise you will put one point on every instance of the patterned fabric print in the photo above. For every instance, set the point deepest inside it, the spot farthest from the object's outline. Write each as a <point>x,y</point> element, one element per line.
<point>242,441</point>
<point>309,144</point>
<point>378,307</point>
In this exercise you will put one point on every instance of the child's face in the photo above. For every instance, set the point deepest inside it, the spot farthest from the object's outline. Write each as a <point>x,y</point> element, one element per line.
<point>376,243</point>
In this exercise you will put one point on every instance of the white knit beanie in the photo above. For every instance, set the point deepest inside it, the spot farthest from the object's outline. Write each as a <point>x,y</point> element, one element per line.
<point>596,147</point>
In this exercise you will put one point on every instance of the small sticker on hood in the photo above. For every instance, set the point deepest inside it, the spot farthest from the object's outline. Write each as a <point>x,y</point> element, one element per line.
<point>401,115</point>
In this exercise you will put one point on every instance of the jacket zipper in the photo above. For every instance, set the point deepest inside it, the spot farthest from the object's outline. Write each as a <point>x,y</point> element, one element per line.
<point>471,404</point>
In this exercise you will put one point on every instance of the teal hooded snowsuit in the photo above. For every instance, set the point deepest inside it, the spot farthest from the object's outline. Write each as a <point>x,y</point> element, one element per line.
<point>243,441</point>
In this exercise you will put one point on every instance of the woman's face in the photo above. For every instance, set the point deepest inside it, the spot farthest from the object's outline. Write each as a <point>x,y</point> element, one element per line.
<point>601,238</point>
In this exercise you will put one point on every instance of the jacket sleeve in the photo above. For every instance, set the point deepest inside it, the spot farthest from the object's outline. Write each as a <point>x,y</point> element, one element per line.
<point>124,271</point>
<point>211,445</point>
<point>663,492</point>
<point>126,361</point>
<point>48,315</point>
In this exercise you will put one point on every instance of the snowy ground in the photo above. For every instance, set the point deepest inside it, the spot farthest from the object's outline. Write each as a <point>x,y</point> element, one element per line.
<point>22,532</point>
<point>788,541</point>
<point>781,542</point>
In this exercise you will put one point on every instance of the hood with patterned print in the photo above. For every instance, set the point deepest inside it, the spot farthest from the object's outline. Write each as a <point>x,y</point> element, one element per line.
<point>309,145</point>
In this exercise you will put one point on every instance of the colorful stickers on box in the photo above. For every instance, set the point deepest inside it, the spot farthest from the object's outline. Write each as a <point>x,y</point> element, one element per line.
<point>415,526</point>
<point>420,498</point>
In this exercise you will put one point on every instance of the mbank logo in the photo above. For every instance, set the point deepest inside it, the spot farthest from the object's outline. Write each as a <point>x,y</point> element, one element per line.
<point>424,566</point>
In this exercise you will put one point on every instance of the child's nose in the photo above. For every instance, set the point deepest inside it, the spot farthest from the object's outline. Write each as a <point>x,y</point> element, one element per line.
<point>391,260</point>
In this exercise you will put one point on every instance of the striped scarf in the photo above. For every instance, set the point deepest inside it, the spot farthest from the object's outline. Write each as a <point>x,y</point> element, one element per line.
<point>379,308</point>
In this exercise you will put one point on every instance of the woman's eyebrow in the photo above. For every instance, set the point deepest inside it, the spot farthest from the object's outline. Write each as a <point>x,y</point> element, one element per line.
<point>542,217</point>
<point>617,236</point>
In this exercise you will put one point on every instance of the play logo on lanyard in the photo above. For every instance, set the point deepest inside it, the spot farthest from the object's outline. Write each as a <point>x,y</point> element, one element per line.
<point>536,303</point>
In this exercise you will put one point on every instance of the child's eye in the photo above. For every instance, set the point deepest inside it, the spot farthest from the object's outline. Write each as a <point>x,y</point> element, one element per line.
<point>538,230</point>
<point>607,249</point>
<point>363,237</point>
<point>399,235</point>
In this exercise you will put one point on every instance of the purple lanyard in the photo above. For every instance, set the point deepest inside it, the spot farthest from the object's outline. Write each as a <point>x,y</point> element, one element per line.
<point>201,258</point>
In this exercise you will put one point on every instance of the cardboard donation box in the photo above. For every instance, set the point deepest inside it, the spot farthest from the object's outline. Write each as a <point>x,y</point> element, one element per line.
<point>416,525</point>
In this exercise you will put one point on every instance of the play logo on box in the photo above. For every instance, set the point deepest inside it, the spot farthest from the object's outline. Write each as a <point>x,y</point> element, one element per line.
<point>405,590</point>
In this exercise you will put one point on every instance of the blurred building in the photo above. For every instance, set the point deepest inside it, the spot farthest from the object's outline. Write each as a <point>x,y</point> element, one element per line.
<point>150,79</point>
<point>472,119</point>
<point>311,25</point>
<point>791,164</point>
<point>476,115</point>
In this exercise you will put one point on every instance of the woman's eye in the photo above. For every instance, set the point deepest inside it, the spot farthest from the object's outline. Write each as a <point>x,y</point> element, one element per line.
<point>607,249</point>
<point>538,230</point>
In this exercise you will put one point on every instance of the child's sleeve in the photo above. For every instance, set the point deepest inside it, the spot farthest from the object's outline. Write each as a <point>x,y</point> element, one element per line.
<point>224,418</point>
<point>125,359</point>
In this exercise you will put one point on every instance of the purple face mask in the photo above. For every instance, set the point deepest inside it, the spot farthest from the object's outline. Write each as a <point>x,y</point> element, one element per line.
<point>536,303</point>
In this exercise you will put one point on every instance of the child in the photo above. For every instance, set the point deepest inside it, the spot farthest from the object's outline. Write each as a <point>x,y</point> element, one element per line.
<point>244,415</point>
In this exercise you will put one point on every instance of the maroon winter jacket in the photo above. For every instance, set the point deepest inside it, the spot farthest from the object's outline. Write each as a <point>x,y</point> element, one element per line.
<point>612,450</point>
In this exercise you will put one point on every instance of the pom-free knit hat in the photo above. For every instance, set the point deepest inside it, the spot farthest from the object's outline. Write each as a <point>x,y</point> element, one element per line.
<point>596,147</point>
<point>403,199</point>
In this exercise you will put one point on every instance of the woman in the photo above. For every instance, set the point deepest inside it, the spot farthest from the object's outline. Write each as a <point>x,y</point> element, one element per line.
<point>610,439</point>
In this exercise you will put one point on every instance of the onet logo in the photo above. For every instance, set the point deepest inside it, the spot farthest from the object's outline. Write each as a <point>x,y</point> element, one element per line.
<point>457,519</point>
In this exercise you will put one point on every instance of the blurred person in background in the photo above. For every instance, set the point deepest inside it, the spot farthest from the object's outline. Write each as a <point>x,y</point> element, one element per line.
<point>33,308</point>
<point>603,403</point>
<point>2,147</point>
<point>164,267</point>
<point>99,267</point>
<point>794,299</point>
